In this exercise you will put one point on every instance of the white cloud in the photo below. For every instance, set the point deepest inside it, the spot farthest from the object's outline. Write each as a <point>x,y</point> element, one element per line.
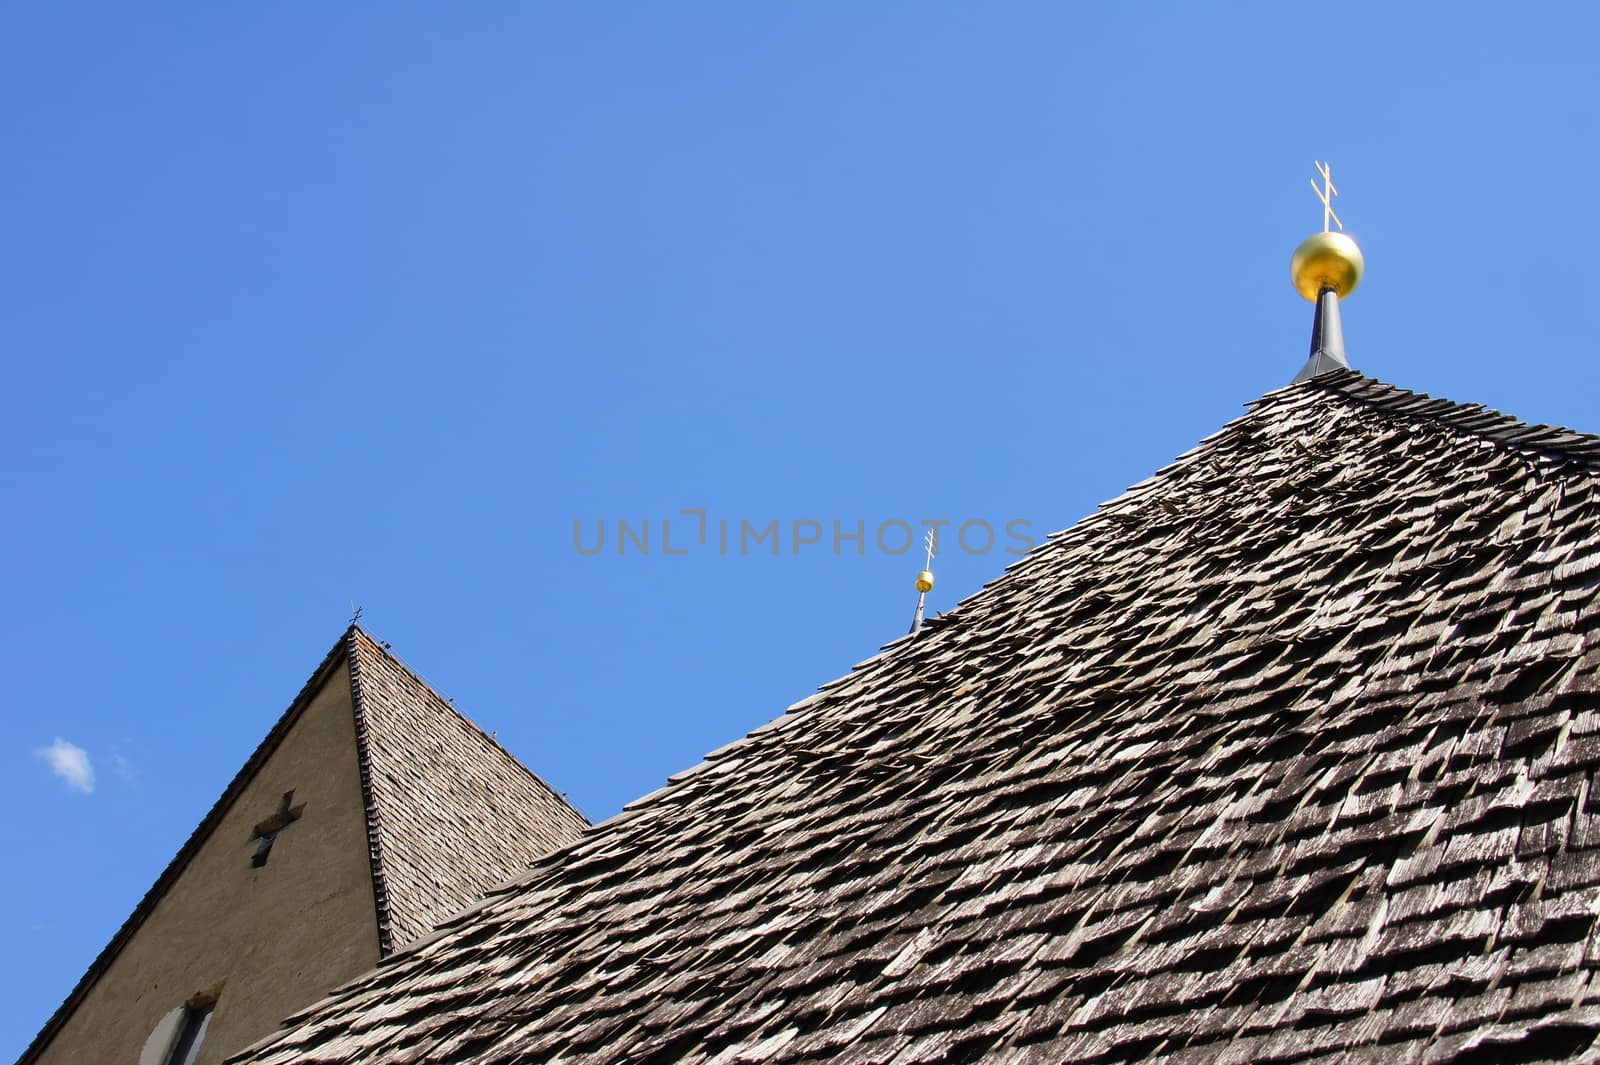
<point>71,763</point>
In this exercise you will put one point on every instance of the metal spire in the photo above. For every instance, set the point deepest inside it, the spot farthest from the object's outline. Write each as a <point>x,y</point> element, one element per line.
<point>1327,338</point>
<point>1326,267</point>
<point>925,578</point>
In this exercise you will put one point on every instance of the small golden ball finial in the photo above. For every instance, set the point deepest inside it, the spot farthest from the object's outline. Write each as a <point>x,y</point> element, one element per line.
<point>925,581</point>
<point>1326,260</point>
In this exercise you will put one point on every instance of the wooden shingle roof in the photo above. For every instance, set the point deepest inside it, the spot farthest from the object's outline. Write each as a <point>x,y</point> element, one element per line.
<point>1287,753</point>
<point>450,812</point>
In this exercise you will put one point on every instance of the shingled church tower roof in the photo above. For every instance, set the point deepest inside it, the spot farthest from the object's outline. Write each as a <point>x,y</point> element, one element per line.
<point>393,810</point>
<point>1286,753</point>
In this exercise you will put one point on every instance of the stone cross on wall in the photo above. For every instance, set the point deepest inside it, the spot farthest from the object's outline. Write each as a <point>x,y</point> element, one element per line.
<point>267,828</point>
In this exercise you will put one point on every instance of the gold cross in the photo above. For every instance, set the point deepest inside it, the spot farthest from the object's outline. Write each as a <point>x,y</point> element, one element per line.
<point>1326,194</point>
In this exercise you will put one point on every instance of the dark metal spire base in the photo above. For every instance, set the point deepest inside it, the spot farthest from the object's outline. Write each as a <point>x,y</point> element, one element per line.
<point>1327,339</point>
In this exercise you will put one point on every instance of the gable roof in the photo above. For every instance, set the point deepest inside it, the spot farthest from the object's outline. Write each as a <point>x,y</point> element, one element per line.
<point>492,809</point>
<point>1285,753</point>
<point>450,812</point>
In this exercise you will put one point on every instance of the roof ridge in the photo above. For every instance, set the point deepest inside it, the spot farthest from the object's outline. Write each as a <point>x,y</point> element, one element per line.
<point>1473,419</point>
<point>382,648</point>
<point>372,815</point>
<point>934,628</point>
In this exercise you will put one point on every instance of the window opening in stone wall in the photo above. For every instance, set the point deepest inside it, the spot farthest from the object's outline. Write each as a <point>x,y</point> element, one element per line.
<point>186,1040</point>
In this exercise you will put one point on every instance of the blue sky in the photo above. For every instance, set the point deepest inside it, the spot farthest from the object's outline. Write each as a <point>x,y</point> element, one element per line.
<point>309,307</point>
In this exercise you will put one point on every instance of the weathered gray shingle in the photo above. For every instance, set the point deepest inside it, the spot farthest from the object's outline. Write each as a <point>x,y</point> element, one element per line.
<point>1285,754</point>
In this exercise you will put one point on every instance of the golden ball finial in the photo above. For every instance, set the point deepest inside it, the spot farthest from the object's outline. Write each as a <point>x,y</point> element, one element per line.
<point>1326,260</point>
<point>925,581</point>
